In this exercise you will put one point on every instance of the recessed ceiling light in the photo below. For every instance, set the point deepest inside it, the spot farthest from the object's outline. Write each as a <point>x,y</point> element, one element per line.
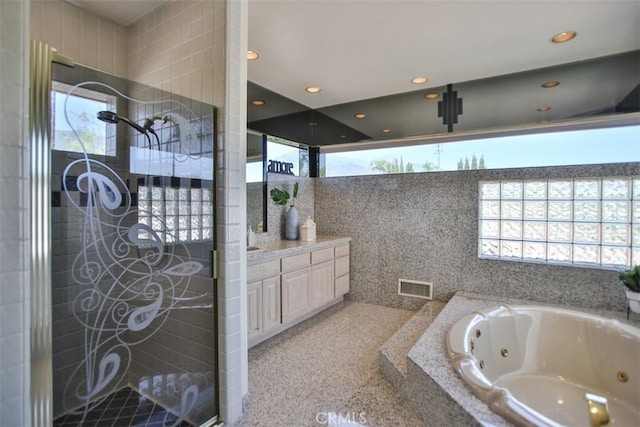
<point>313,124</point>
<point>343,136</point>
<point>360,116</point>
<point>552,83</point>
<point>251,55</point>
<point>313,89</point>
<point>419,80</point>
<point>564,36</point>
<point>544,122</point>
<point>432,95</point>
<point>257,102</point>
<point>385,130</point>
<point>545,108</point>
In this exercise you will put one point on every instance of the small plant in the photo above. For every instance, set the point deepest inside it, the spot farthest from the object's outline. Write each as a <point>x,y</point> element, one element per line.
<point>631,278</point>
<point>282,197</point>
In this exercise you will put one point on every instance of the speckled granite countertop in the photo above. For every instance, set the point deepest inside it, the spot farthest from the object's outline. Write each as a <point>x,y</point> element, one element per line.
<point>281,248</point>
<point>429,352</point>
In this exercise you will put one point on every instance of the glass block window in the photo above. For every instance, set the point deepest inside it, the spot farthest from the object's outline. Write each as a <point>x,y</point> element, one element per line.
<point>177,214</point>
<point>582,221</point>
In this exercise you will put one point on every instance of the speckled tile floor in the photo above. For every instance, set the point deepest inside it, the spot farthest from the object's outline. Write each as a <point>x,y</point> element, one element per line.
<point>325,372</point>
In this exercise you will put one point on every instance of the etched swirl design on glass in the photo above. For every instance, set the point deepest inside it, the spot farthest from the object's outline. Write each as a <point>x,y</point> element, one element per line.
<point>130,280</point>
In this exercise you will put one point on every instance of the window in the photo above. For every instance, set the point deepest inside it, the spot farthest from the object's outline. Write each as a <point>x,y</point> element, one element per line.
<point>616,144</point>
<point>177,214</point>
<point>582,221</point>
<point>82,108</point>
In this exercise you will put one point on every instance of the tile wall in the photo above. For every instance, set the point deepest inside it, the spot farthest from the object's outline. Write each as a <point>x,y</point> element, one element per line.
<point>14,215</point>
<point>424,227</point>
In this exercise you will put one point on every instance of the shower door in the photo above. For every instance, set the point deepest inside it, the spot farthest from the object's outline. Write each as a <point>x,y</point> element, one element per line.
<point>132,244</point>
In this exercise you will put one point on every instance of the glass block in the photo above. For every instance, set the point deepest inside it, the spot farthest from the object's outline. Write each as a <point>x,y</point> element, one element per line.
<point>184,207</point>
<point>207,221</point>
<point>170,237</point>
<point>535,190</point>
<point>207,208</point>
<point>635,255</point>
<point>183,222</point>
<point>489,190</point>
<point>157,193</point>
<point>535,250</point>
<point>616,188</point>
<point>586,232</point>
<point>559,189</point>
<point>635,234</point>
<point>171,207</point>
<point>183,235</point>
<point>196,194</point>
<point>490,229</point>
<point>586,254</point>
<point>615,211</point>
<point>615,255</point>
<point>512,190</point>
<point>143,192</point>
<point>512,210</point>
<point>196,208</point>
<point>156,224</point>
<point>171,193</point>
<point>636,211</point>
<point>207,194</point>
<point>587,189</point>
<point>586,211</point>
<point>170,224</point>
<point>559,231</point>
<point>143,206</point>
<point>615,234</point>
<point>146,220</point>
<point>558,252</point>
<point>560,211</point>
<point>510,249</point>
<point>490,210</point>
<point>535,230</point>
<point>489,247</point>
<point>195,235</point>
<point>183,193</point>
<point>157,208</point>
<point>196,222</point>
<point>535,210</point>
<point>511,230</point>
<point>207,234</point>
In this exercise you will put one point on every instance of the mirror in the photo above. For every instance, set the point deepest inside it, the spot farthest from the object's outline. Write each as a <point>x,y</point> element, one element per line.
<point>256,182</point>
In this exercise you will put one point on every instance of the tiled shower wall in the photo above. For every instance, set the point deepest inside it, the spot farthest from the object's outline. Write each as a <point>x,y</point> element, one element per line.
<point>424,227</point>
<point>14,215</point>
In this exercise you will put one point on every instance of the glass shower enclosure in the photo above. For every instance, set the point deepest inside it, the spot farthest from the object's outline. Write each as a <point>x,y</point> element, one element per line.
<point>131,237</point>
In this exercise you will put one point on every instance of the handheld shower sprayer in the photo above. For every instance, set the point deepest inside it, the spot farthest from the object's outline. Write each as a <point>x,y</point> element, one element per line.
<point>111,117</point>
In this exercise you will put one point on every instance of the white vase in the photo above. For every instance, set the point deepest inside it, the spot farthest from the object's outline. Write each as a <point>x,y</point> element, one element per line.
<point>634,300</point>
<point>291,221</point>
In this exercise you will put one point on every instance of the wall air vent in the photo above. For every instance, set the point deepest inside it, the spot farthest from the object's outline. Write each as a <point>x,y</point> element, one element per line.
<point>412,288</point>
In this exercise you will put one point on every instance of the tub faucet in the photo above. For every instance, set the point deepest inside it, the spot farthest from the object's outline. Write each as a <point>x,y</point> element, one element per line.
<point>598,410</point>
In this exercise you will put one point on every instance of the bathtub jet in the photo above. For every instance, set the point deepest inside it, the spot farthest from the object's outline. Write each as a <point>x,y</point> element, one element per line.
<point>544,366</point>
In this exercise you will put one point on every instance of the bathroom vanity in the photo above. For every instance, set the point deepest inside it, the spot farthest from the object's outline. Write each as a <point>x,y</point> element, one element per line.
<point>290,281</point>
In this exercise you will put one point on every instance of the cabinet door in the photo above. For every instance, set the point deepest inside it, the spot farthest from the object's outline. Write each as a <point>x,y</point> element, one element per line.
<point>322,283</point>
<point>254,308</point>
<point>270,303</point>
<point>296,294</point>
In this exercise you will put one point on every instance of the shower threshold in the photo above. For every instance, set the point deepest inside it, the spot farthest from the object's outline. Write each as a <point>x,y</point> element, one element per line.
<point>123,408</point>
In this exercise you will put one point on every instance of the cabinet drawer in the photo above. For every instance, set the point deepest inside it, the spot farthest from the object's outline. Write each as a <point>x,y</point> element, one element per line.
<point>294,262</point>
<point>342,266</point>
<point>321,255</point>
<point>263,271</point>
<point>342,250</point>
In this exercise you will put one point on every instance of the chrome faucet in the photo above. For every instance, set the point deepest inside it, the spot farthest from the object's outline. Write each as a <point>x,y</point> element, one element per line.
<point>598,410</point>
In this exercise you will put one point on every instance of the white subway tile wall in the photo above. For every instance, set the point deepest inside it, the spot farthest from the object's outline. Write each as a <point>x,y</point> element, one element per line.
<point>14,215</point>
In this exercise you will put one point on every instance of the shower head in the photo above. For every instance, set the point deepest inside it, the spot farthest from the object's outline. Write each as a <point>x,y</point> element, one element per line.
<point>111,117</point>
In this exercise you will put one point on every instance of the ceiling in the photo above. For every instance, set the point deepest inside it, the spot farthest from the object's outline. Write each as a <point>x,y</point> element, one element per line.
<point>363,54</point>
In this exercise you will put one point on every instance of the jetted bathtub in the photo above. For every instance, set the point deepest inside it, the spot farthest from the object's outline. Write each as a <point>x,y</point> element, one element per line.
<point>546,366</point>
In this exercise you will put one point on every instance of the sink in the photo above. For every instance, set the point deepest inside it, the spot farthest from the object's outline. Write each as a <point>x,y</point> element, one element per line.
<point>254,249</point>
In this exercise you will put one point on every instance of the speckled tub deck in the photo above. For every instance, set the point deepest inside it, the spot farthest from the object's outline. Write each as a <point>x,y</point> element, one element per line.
<point>328,365</point>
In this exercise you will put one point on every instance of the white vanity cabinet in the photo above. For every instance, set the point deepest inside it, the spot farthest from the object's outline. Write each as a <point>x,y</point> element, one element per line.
<point>285,289</point>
